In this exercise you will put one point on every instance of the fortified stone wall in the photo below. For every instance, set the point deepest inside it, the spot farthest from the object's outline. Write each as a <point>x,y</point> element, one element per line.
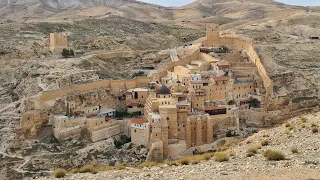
<point>213,39</point>
<point>113,129</point>
<point>95,93</point>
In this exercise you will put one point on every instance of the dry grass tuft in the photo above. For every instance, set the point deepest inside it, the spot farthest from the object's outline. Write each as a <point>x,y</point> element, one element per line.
<point>171,163</point>
<point>184,161</point>
<point>264,142</point>
<point>294,150</point>
<point>287,124</point>
<point>272,155</point>
<point>87,168</point>
<point>148,164</point>
<point>221,157</point>
<point>59,173</point>
<point>121,166</point>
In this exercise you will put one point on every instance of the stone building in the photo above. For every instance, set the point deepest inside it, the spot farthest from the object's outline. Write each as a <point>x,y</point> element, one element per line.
<point>58,42</point>
<point>65,127</point>
<point>139,132</point>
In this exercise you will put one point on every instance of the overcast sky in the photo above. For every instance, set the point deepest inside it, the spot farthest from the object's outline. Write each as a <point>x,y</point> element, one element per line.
<point>184,2</point>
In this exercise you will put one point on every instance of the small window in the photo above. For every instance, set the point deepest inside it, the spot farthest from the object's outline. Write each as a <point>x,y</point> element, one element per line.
<point>168,118</point>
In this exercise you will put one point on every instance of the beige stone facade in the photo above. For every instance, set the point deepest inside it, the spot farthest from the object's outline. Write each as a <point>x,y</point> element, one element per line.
<point>57,43</point>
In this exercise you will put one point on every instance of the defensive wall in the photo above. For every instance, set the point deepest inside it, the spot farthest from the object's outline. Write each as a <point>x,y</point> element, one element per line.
<point>117,85</point>
<point>234,43</point>
<point>36,109</point>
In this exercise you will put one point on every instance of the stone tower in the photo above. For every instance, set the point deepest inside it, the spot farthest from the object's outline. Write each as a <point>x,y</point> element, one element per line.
<point>212,31</point>
<point>57,43</point>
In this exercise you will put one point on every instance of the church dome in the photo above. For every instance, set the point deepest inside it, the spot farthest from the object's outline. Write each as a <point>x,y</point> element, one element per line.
<point>163,90</point>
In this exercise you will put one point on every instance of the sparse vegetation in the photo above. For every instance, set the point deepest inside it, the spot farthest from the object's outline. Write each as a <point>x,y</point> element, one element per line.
<point>86,169</point>
<point>252,149</point>
<point>272,155</point>
<point>231,102</point>
<point>171,163</point>
<point>287,124</point>
<point>221,157</point>
<point>231,134</point>
<point>255,103</point>
<point>294,150</point>
<point>290,128</point>
<point>59,173</point>
<point>264,142</point>
<point>123,140</point>
<point>303,119</point>
<point>67,53</point>
<point>184,161</point>
<point>121,166</point>
<point>148,164</point>
<point>315,130</point>
<point>303,125</point>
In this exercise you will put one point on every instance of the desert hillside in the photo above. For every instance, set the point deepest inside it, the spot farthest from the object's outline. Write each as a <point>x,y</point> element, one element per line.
<point>297,139</point>
<point>119,39</point>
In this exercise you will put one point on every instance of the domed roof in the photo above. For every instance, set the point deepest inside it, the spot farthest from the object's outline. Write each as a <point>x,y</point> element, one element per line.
<point>164,90</point>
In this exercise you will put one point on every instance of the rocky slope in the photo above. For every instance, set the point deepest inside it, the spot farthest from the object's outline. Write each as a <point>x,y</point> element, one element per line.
<point>302,165</point>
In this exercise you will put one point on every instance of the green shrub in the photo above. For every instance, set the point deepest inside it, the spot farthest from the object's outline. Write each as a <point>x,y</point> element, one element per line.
<point>303,125</point>
<point>59,173</point>
<point>220,157</point>
<point>290,128</point>
<point>272,155</point>
<point>264,142</point>
<point>294,150</point>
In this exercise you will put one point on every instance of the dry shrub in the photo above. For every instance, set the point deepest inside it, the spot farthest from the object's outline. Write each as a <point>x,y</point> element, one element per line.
<point>232,153</point>
<point>184,161</point>
<point>103,168</point>
<point>315,130</point>
<point>121,166</point>
<point>272,155</point>
<point>221,157</point>
<point>148,164</point>
<point>264,142</point>
<point>253,149</point>
<point>207,156</point>
<point>74,171</point>
<point>287,124</point>
<point>294,150</point>
<point>303,125</point>
<point>303,119</point>
<point>171,163</point>
<point>87,168</point>
<point>59,173</point>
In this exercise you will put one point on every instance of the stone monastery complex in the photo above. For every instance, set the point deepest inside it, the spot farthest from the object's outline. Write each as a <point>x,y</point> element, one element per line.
<point>192,102</point>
